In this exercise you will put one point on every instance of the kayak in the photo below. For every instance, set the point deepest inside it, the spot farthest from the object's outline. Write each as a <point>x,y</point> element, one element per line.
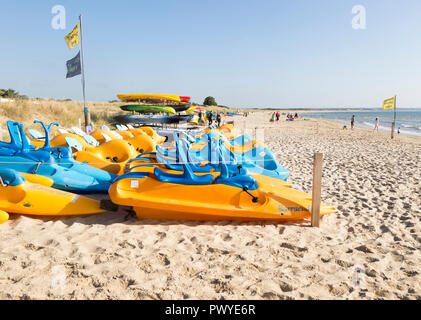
<point>181,108</point>
<point>191,109</point>
<point>184,99</point>
<point>148,109</point>
<point>17,195</point>
<point>145,97</point>
<point>141,119</point>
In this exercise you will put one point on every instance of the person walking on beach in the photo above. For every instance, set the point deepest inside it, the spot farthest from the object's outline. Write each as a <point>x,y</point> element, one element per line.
<point>209,115</point>
<point>352,122</point>
<point>218,119</point>
<point>201,121</point>
<point>278,115</point>
<point>376,126</point>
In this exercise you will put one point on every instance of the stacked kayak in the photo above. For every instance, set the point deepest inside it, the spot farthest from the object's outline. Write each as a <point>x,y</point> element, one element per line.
<point>148,97</point>
<point>155,103</point>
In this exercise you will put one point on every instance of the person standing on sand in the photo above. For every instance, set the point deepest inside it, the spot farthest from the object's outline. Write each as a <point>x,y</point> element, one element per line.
<point>209,115</point>
<point>278,115</point>
<point>201,121</point>
<point>376,126</point>
<point>218,119</point>
<point>352,122</point>
<point>272,119</point>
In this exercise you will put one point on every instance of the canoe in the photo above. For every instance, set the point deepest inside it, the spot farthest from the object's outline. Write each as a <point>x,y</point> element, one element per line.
<point>146,97</point>
<point>148,108</point>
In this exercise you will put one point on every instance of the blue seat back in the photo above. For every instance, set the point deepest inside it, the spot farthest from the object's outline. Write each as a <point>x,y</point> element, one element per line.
<point>11,178</point>
<point>91,140</point>
<point>73,143</point>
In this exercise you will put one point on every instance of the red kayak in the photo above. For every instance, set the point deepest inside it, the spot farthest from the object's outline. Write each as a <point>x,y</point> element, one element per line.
<point>184,99</point>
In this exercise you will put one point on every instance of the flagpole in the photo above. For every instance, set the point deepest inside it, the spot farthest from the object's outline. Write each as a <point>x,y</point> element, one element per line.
<point>85,109</point>
<point>394,120</point>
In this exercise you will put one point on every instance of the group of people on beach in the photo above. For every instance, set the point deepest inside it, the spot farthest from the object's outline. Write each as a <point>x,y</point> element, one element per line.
<point>376,124</point>
<point>277,116</point>
<point>209,115</point>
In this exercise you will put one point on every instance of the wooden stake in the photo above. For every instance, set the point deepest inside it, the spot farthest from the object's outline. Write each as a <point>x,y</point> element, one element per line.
<point>317,189</point>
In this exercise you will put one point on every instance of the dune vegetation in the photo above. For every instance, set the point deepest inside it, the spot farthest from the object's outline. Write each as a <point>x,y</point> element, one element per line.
<point>66,113</point>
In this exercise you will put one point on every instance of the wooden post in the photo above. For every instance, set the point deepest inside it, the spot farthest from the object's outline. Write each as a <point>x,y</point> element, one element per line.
<point>393,130</point>
<point>317,189</point>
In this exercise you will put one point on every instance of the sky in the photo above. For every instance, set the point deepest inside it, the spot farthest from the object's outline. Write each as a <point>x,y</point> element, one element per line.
<point>296,53</point>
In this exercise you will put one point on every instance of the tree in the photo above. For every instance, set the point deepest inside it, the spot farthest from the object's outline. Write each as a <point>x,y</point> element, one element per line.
<point>10,93</point>
<point>210,101</point>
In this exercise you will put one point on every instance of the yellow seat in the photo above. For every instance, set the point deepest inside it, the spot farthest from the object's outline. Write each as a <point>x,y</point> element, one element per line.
<point>110,156</point>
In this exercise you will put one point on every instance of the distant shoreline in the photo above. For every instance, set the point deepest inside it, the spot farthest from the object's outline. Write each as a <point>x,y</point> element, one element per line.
<point>325,110</point>
<point>381,129</point>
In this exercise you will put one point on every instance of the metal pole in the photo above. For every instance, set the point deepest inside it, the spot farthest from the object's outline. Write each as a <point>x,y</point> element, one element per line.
<point>85,109</point>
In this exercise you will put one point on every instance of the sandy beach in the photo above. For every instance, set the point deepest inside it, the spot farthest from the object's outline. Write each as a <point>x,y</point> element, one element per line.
<point>369,249</point>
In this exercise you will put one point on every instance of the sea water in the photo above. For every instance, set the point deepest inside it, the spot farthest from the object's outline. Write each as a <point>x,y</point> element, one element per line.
<point>408,121</point>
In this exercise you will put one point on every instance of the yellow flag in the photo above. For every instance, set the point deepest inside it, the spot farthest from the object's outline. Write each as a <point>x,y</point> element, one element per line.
<point>72,39</point>
<point>389,103</point>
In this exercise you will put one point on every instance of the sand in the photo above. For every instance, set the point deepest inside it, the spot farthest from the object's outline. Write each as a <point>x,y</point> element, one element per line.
<point>369,249</point>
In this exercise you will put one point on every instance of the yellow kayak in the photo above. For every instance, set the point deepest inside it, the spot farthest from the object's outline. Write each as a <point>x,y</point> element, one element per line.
<point>141,96</point>
<point>19,195</point>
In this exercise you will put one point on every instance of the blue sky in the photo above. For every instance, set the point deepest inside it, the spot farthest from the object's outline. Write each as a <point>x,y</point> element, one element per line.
<point>296,53</point>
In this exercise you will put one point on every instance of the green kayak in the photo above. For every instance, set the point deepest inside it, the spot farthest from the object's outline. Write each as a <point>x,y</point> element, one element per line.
<point>148,109</point>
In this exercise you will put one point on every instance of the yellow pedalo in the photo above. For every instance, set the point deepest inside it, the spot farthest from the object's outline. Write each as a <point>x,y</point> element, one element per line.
<point>32,195</point>
<point>157,194</point>
<point>110,156</point>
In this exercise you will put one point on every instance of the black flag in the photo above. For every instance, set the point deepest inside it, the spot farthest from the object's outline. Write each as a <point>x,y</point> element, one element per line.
<point>73,66</point>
